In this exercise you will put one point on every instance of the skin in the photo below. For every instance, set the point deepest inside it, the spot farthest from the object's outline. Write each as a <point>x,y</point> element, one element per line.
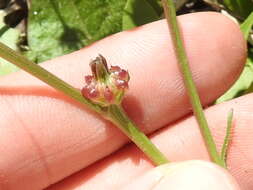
<point>47,138</point>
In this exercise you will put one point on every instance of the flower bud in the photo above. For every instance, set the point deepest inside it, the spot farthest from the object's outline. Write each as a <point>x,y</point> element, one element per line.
<point>105,86</point>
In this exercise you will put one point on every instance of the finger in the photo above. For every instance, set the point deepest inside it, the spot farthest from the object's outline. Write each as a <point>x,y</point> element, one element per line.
<point>180,141</point>
<point>191,175</point>
<point>51,131</point>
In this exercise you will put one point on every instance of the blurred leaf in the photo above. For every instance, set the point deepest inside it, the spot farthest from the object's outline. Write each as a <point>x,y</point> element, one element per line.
<point>250,89</point>
<point>242,85</point>
<point>157,6</point>
<point>58,27</point>
<point>250,62</point>
<point>10,38</point>
<point>136,13</point>
<point>246,26</point>
<point>241,8</point>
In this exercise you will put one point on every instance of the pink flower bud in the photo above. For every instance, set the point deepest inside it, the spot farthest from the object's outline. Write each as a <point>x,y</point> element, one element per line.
<point>88,79</point>
<point>90,92</point>
<point>105,86</point>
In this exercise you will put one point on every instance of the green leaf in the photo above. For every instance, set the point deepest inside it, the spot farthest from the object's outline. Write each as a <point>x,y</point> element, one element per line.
<point>10,38</point>
<point>241,8</point>
<point>157,6</point>
<point>246,26</point>
<point>57,27</point>
<point>242,85</point>
<point>136,13</point>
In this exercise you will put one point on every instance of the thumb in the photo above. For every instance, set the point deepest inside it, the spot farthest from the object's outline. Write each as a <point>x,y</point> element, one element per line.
<point>190,175</point>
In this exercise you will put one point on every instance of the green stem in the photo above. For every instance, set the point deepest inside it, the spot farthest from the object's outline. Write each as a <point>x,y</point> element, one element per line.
<point>118,116</point>
<point>170,14</point>
<point>227,139</point>
<point>47,77</point>
<point>113,113</point>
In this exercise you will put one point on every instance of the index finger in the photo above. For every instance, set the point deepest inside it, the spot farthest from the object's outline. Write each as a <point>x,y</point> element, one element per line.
<point>42,130</point>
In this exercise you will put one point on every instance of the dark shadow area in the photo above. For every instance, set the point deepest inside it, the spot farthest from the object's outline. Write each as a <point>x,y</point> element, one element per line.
<point>195,6</point>
<point>71,37</point>
<point>140,14</point>
<point>156,6</point>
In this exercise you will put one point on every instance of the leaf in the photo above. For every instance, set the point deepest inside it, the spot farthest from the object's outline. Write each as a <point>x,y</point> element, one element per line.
<point>157,6</point>
<point>136,13</point>
<point>246,26</point>
<point>242,85</point>
<point>58,27</point>
<point>241,8</point>
<point>10,38</point>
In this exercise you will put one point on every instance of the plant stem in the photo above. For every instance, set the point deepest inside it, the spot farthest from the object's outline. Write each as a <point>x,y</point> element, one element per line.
<point>118,116</point>
<point>227,139</point>
<point>115,114</point>
<point>170,14</point>
<point>42,74</point>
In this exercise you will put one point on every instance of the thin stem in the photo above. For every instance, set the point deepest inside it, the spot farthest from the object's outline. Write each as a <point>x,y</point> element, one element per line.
<point>118,116</point>
<point>170,14</point>
<point>115,114</point>
<point>47,77</point>
<point>227,138</point>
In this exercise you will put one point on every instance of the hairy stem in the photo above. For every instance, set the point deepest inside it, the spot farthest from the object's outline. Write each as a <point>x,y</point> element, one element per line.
<point>170,14</point>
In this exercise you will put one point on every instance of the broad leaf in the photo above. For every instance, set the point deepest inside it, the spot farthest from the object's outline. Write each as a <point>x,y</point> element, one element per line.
<point>138,12</point>
<point>57,27</point>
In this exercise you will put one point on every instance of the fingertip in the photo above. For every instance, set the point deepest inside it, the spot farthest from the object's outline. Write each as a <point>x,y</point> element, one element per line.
<point>194,174</point>
<point>224,47</point>
<point>197,175</point>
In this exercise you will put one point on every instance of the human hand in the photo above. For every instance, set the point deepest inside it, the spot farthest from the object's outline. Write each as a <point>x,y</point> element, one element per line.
<point>46,137</point>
